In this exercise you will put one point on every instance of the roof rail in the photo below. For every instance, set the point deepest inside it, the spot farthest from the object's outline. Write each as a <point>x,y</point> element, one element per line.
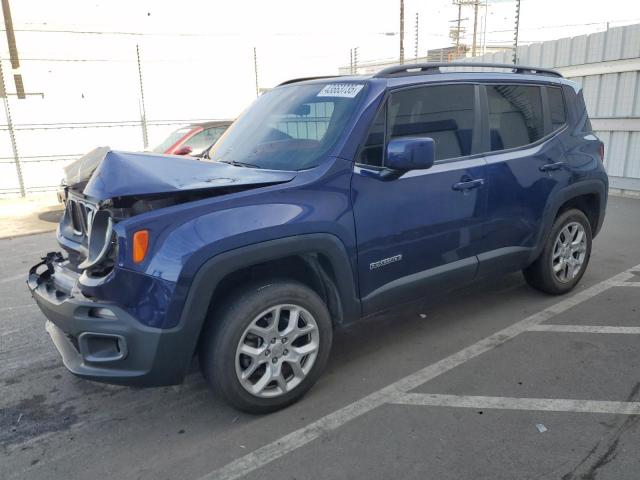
<point>303,79</point>
<point>432,67</point>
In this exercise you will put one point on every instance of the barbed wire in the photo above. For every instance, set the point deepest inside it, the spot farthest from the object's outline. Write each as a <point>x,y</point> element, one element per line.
<point>103,124</point>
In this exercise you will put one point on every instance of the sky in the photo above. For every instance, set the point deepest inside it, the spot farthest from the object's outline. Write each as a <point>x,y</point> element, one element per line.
<point>197,55</point>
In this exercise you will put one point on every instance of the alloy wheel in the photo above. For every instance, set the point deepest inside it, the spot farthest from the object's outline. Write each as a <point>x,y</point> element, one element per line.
<point>277,351</point>
<point>569,252</point>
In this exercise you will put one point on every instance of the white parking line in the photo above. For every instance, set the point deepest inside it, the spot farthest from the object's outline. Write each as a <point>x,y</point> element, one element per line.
<point>394,392</point>
<point>628,284</point>
<point>509,403</point>
<point>584,329</point>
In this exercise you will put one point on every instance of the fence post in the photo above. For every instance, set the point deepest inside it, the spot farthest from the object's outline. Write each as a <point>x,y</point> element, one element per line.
<point>145,134</point>
<point>12,135</point>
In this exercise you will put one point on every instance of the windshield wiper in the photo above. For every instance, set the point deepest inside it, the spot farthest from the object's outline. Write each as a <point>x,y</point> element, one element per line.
<point>236,163</point>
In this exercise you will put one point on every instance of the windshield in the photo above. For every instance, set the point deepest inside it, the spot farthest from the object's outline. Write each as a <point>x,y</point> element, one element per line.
<point>289,128</point>
<point>171,139</point>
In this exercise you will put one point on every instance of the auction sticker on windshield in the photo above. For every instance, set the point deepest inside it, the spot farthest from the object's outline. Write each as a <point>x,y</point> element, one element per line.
<point>346,90</point>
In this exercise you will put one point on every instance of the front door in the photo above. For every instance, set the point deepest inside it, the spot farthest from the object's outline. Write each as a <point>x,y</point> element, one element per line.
<point>419,232</point>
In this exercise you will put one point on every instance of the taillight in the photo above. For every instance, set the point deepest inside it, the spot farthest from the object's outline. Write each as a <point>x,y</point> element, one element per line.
<point>601,152</point>
<point>140,245</point>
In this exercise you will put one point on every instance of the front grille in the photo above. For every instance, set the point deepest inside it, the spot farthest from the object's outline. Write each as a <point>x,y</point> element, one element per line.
<point>80,215</point>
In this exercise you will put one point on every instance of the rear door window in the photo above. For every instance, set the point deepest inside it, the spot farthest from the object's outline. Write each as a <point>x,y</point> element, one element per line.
<point>442,112</point>
<point>515,115</point>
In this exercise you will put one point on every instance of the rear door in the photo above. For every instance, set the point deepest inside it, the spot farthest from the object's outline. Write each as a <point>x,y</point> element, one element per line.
<point>419,232</point>
<point>525,164</point>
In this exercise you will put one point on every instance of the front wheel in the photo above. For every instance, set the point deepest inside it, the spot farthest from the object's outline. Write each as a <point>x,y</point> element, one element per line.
<point>267,345</point>
<point>565,256</point>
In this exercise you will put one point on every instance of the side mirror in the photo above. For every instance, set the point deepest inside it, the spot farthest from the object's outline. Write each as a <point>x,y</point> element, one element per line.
<point>183,150</point>
<point>410,153</point>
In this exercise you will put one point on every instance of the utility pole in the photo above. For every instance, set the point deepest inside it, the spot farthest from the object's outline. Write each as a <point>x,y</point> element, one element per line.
<point>13,49</point>
<point>417,35</point>
<point>475,27</point>
<point>255,70</point>
<point>515,33</point>
<point>484,27</point>
<point>351,61</point>
<point>12,135</point>
<point>143,109</point>
<point>456,31</point>
<point>401,32</point>
<point>17,78</point>
<point>459,29</point>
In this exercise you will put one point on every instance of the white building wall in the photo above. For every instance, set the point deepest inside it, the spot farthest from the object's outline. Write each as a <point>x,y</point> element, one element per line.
<point>607,65</point>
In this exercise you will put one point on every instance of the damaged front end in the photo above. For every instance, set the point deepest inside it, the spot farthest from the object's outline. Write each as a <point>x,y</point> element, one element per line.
<point>106,187</point>
<point>109,322</point>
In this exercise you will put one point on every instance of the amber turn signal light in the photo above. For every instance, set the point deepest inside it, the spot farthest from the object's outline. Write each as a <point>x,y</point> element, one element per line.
<point>140,245</point>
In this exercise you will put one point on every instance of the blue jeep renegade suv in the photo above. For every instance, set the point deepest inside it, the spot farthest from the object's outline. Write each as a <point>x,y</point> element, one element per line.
<point>328,200</point>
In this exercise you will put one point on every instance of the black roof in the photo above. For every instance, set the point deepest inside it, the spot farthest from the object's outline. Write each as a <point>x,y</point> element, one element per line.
<point>432,67</point>
<point>412,69</point>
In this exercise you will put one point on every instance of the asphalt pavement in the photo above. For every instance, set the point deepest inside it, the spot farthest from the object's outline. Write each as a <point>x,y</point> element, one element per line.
<point>494,381</point>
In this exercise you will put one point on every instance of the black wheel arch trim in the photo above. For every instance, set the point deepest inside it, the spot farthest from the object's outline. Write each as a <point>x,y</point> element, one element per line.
<point>178,345</point>
<point>584,187</point>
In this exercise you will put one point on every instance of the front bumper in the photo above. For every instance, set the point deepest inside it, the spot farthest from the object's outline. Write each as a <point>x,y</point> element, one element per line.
<point>99,340</point>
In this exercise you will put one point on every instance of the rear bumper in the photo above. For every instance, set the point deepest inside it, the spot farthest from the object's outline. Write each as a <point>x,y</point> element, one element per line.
<point>100,340</point>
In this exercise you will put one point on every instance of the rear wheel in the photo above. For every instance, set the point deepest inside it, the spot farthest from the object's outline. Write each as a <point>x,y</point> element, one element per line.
<point>267,346</point>
<point>565,256</point>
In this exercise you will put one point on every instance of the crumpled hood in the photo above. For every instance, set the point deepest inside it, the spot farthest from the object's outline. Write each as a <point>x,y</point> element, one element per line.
<point>104,173</point>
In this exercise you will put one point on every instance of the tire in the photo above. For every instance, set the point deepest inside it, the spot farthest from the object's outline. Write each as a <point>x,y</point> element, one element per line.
<point>554,263</point>
<point>246,323</point>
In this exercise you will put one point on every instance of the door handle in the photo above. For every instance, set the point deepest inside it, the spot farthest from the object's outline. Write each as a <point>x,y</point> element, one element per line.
<point>547,167</point>
<point>468,185</point>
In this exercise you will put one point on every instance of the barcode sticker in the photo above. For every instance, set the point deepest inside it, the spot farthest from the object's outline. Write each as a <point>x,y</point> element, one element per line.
<point>345,90</point>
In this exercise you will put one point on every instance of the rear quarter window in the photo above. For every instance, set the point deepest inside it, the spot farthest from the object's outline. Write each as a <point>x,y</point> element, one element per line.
<point>515,115</point>
<point>557,108</point>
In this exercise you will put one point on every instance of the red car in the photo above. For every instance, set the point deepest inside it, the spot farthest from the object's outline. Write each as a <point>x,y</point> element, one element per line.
<point>193,139</point>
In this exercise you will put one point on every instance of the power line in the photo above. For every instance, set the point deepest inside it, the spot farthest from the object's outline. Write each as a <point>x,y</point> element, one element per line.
<point>178,34</point>
<point>88,32</point>
<point>549,27</point>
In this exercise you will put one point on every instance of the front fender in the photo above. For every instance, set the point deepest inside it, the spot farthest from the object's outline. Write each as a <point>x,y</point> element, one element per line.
<point>191,302</point>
